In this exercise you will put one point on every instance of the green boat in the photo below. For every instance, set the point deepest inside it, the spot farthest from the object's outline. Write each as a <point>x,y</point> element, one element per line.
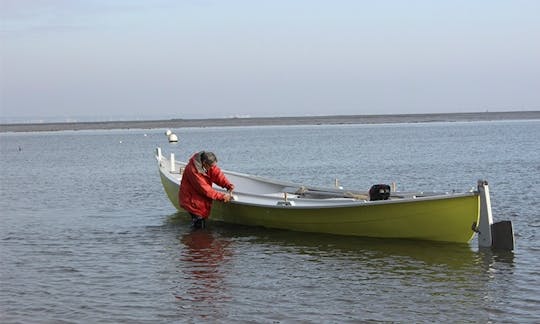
<point>448,217</point>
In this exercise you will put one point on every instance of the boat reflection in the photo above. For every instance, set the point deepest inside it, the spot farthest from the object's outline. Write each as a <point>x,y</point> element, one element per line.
<point>442,272</point>
<point>372,250</point>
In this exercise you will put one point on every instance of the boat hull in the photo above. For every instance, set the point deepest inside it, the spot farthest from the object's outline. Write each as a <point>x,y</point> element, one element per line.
<point>448,218</point>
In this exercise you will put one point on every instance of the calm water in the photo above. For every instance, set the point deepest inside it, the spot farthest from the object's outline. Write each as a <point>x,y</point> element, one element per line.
<point>88,235</point>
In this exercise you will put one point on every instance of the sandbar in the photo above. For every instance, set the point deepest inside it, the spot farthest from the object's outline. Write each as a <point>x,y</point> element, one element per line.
<point>267,121</point>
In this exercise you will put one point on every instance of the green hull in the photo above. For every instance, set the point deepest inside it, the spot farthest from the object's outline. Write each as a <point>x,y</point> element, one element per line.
<point>445,219</point>
<point>448,218</point>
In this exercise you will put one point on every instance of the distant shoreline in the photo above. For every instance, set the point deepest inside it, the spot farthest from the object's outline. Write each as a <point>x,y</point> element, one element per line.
<point>268,121</point>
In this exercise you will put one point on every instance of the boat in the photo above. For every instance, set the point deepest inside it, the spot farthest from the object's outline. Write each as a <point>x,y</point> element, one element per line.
<point>269,203</point>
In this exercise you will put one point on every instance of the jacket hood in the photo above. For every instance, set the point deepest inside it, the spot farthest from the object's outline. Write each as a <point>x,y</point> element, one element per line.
<point>198,163</point>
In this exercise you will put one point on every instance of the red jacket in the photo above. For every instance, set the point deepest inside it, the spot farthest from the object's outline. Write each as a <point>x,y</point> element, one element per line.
<point>196,193</point>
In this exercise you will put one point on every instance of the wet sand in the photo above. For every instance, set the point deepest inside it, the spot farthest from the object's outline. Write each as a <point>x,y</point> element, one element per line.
<point>266,121</point>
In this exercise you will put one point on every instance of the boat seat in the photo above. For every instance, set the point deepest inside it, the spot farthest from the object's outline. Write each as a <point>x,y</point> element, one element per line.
<point>304,192</point>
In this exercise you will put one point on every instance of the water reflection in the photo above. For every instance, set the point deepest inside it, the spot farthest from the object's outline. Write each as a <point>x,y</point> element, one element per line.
<point>202,264</point>
<point>345,247</point>
<point>448,281</point>
<point>203,256</point>
<point>492,257</point>
<point>428,274</point>
<point>451,255</point>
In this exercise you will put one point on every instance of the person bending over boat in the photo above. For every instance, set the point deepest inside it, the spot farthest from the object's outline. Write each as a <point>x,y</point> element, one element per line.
<point>196,193</point>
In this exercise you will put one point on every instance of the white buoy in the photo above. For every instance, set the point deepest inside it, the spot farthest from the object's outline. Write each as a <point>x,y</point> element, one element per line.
<point>168,132</point>
<point>173,138</point>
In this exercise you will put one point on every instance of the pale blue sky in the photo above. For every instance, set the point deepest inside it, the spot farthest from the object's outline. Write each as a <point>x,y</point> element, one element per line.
<point>106,59</point>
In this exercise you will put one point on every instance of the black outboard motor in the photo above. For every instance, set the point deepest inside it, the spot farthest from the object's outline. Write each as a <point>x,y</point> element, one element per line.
<point>379,192</point>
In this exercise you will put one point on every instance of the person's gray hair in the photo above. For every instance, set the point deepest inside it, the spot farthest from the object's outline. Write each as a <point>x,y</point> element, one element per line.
<point>208,157</point>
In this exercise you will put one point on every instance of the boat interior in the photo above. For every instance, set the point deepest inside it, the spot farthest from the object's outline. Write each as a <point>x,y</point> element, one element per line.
<point>258,190</point>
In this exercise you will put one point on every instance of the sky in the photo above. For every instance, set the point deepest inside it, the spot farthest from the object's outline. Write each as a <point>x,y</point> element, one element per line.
<point>75,60</point>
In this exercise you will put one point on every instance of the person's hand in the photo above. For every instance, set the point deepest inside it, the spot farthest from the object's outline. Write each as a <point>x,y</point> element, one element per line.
<point>227,197</point>
<point>231,187</point>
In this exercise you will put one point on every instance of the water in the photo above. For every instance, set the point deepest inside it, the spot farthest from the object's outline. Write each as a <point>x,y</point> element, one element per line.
<point>88,235</point>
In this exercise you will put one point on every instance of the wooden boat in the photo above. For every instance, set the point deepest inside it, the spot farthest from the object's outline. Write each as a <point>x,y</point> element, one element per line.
<point>450,217</point>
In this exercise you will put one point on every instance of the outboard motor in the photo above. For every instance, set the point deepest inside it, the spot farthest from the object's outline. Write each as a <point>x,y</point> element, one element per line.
<point>379,192</point>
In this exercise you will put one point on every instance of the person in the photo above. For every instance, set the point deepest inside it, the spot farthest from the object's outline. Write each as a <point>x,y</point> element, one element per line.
<point>196,194</point>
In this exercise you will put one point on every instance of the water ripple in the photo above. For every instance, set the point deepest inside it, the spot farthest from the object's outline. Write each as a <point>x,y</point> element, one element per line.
<point>98,241</point>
